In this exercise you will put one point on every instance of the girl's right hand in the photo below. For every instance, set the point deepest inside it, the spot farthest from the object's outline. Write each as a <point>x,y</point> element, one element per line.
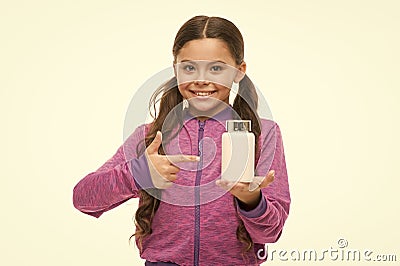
<point>162,169</point>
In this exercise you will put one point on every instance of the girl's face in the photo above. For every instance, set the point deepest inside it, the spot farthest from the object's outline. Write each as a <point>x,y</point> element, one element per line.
<point>205,70</point>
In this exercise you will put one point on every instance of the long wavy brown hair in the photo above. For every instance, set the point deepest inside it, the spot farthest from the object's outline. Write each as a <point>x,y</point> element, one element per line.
<point>168,96</point>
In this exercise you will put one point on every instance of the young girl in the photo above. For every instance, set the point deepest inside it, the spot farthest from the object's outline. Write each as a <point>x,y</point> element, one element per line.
<point>187,214</point>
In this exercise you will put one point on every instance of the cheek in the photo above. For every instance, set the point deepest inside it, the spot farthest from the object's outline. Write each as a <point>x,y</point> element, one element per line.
<point>222,89</point>
<point>225,77</point>
<point>183,88</point>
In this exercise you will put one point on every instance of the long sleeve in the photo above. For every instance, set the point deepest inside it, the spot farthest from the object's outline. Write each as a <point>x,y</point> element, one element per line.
<point>266,227</point>
<point>113,183</point>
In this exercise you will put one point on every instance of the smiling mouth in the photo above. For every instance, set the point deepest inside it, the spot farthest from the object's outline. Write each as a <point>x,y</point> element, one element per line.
<point>202,93</point>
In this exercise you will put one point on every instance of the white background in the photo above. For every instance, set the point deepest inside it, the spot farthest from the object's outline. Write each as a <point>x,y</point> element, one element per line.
<point>68,69</point>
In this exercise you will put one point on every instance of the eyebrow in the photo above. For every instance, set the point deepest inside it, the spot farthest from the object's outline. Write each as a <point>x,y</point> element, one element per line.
<point>211,61</point>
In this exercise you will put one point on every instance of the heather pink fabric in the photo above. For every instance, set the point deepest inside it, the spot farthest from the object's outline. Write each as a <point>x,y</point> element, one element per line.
<point>173,235</point>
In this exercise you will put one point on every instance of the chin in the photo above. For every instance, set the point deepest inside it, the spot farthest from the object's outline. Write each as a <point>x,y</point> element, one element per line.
<point>206,107</point>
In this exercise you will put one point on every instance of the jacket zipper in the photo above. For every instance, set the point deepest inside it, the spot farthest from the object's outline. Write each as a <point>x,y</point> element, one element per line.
<point>197,195</point>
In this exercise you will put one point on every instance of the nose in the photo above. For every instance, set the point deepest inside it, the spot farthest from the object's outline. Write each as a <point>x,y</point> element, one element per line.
<point>201,82</point>
<point>201,78</point>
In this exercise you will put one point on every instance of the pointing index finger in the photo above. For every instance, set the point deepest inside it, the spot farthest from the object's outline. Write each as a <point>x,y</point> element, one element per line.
<point>182,158</point>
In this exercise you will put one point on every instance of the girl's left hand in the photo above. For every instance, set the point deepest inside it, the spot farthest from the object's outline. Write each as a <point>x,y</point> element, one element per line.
<point>248,193</point>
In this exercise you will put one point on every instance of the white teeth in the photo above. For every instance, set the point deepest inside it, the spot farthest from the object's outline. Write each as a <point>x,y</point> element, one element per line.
<point>203,93</point>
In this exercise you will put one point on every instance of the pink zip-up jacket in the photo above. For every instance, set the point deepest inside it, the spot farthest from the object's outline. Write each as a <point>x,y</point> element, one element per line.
<point>196,221</point>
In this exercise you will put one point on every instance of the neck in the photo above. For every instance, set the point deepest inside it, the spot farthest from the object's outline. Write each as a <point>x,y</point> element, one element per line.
<point>204,115</point>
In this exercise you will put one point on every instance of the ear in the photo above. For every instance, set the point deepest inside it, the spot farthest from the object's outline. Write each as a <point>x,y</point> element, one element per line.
<point>241,72</point>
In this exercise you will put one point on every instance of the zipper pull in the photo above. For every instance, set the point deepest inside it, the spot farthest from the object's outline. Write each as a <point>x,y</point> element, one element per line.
<point>201,125</point>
